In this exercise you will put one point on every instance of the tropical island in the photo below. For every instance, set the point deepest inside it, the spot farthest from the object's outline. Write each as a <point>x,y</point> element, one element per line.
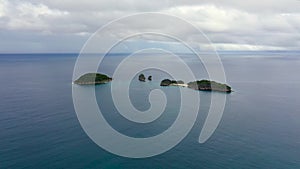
<point>93,79</point>
<point>203,85</point>
<point>168,82</point>
<point>207,85</point>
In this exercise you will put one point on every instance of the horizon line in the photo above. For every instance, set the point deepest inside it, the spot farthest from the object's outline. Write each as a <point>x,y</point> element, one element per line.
<point>2,53</point>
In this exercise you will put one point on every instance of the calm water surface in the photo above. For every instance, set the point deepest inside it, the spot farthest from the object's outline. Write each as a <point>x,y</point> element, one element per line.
<point>259,129</point>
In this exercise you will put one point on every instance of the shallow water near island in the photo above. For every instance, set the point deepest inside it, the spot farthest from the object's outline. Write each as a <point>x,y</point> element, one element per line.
<point>259,129</point>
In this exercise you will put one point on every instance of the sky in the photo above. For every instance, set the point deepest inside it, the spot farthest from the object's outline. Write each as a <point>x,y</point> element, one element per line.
<point>54,26</point>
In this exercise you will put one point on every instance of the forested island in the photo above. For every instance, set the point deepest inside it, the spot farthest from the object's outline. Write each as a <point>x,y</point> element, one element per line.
<point>168,82</point>
<point>203,85</point>
<point>207,85</point>
<point>92,79</point>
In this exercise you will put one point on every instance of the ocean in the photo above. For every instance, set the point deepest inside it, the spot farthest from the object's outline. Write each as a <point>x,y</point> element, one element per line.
<point>259,128</point>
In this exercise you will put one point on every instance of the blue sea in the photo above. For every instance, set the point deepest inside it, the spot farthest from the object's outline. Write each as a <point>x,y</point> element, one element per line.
<point>259,129</point>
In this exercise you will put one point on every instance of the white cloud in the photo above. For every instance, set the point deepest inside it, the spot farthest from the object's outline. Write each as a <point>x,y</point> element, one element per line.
<point>235,29</point>
<point>2,8</point>
<point>230,24</point>
<point>28,16</point>
<point>229,46</point>
<point>216,19</point>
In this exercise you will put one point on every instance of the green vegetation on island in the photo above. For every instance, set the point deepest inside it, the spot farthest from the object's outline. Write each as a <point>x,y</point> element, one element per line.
<point>92,79</point>
<point>207,85</point>
<point>168,82</point>
<point>204,85</point>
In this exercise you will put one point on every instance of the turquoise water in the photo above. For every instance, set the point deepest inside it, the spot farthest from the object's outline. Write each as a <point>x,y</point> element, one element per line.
<point>259,129</point>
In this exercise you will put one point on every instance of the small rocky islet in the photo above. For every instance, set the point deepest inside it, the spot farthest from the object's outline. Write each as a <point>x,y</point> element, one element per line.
<point>142,78</point>
<point>202,85</point>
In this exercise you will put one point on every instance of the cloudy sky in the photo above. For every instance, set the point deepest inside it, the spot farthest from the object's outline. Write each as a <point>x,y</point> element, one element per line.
<point>64,26</point>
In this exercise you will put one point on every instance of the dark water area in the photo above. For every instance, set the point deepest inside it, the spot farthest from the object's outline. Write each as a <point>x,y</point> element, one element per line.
<point>259,129</point>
